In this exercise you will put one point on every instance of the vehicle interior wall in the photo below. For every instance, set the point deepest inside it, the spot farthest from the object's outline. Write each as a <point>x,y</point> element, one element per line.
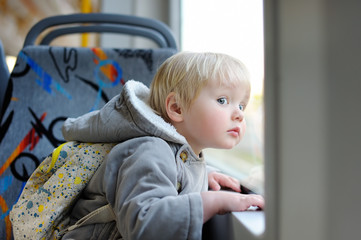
<point>312,66</point>
<point>167,11</point>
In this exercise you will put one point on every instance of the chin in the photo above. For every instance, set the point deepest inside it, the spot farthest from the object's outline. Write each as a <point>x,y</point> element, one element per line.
<point>230,146</point>
<point>227,145</point>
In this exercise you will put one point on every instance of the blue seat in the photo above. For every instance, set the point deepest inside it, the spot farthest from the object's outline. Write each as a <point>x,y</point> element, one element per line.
<point>52,83</point>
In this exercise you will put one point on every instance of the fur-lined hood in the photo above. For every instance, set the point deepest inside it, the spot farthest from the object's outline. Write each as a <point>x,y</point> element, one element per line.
<point>126,116</point>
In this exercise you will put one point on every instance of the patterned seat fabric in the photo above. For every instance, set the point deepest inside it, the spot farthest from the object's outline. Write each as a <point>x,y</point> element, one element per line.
<point>48,85</point>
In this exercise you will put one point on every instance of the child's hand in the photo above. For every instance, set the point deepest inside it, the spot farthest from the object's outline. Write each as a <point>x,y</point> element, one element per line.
<point>217,180</point>
<point>222,202</point>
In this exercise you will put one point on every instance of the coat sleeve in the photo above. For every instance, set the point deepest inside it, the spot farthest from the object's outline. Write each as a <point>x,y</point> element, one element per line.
<point>140,182</point>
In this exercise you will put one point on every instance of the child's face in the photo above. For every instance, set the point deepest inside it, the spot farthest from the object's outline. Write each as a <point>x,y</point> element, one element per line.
<point>216,117</point>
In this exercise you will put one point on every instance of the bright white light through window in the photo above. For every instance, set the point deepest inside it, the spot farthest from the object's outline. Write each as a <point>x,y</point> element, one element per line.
<point>234,27</point>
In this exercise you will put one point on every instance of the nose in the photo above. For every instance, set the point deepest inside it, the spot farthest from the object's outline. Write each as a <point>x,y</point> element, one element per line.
<point>238,114</point>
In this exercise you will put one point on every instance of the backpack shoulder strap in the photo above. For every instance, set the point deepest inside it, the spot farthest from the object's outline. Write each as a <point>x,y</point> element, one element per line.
<point>103,214</point>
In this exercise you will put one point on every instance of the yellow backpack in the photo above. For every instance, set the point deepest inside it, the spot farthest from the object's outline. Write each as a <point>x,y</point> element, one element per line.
<point>42,211</point>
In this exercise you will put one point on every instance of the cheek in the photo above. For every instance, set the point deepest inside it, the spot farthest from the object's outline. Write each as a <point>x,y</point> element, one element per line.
<point>208,122</point>
<point>243,127</point>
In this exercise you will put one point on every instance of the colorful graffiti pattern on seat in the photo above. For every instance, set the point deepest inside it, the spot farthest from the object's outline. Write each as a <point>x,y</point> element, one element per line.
<point>48,85</point>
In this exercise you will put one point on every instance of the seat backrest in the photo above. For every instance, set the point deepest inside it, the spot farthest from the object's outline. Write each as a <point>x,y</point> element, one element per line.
<point>48,85</point>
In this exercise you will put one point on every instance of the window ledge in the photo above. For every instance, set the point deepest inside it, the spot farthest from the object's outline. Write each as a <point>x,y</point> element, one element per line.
<point>252,220</point>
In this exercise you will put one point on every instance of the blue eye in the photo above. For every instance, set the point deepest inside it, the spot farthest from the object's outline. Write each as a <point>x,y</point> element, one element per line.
<point>241,107</point>
<point>222,100</point>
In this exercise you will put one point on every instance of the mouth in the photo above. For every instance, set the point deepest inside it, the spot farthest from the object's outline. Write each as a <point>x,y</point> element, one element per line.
<point>235,131</point>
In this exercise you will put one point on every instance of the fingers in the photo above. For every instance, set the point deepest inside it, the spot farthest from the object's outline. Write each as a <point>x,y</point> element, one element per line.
<point>217,180</point>
<point>234,184</point>
<point>252,200</point>
<point>220,202</point>
<point>230,182</point>
<point>213,185</point>
<point>235,202</point>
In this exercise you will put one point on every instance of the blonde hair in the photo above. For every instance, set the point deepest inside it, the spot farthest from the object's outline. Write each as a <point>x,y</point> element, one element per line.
<point>186,73</point>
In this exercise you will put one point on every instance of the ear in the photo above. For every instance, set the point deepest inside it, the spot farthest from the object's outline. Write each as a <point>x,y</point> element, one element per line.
<point>173,108</point>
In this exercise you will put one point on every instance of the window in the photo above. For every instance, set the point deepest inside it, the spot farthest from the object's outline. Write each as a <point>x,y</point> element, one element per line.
<point>234,27</point>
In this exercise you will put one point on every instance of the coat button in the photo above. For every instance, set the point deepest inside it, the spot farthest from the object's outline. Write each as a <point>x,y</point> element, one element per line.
<point>184,156</point>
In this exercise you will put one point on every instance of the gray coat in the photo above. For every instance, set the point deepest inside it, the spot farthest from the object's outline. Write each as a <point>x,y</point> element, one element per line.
<point>152,178</point>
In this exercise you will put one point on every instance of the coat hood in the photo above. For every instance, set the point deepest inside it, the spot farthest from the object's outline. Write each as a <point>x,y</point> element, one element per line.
<point>125,116</point>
